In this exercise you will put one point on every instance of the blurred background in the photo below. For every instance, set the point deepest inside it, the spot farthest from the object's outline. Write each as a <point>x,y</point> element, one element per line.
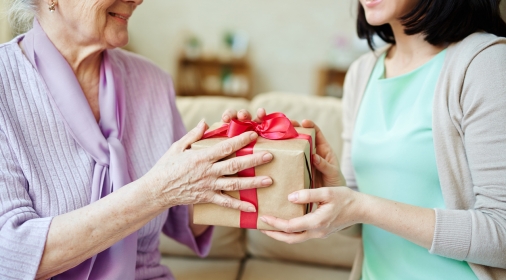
<point>245,47</point>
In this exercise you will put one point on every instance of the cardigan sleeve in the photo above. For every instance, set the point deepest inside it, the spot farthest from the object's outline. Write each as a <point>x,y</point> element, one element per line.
<point>22,231</point>
<point>478,235</point>
<point>177,227</point>
<point>349,97</point>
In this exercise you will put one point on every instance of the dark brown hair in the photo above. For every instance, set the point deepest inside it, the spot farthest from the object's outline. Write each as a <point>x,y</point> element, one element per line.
<point>441,21</point>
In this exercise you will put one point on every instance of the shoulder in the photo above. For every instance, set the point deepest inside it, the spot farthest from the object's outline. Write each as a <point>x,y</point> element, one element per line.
<point>477,47</point>
<point>10,52</point>
<point>358,75</point>
<point>139,75</point>
<point>364,65</point>
<point>136,66</point>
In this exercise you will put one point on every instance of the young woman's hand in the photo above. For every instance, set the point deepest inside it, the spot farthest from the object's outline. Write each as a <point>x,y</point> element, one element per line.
<point>325,160</point>
<point>242,115</point>
<point>337,209</point>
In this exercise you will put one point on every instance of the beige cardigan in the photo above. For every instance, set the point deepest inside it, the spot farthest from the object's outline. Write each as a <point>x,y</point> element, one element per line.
<point>469,128</point>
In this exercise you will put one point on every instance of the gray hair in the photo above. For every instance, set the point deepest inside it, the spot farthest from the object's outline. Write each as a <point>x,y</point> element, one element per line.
<point>20,14</point>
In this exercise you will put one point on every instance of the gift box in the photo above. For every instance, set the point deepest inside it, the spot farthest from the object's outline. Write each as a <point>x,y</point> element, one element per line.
<point>290,170</point>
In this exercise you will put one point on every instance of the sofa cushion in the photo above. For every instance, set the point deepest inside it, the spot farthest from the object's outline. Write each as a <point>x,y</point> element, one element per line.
<point>256,269</point>
<point>193,109</point>
<point>324,111</point>
<point>226,243</point>
<point>337,250</point>
<point>208,269</point>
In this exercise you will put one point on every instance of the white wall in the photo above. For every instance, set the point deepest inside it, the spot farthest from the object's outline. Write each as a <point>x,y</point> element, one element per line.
<point>289,38</point>
<point>5,34</point>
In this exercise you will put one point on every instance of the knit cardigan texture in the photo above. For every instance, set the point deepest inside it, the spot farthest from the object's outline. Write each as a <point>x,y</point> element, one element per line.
<point>44,172</point>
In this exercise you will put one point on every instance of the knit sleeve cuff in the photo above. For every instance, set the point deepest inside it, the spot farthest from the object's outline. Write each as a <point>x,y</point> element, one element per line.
<point>22,246</point>
<point>452,234</point>
<point>178,228</point>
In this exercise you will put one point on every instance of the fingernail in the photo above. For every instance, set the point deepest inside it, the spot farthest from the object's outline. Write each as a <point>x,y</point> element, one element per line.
<point>316,159</point>
<point>226,118</point>
<point>202,123</point>
<point>267,182</point>
<point>263,219</point>
<point>251,209</point>
<point>293,196</point>
<point>253,136</point>
<point>267,157</point>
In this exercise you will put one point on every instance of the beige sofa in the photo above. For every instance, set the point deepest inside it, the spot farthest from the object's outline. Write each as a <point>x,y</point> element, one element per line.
<point>239,254</point>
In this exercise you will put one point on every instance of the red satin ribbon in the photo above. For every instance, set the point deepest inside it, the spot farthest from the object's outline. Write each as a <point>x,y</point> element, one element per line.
<point>275,126</point>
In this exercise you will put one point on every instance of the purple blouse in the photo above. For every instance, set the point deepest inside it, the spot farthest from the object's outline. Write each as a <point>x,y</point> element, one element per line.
<point>55,158</point>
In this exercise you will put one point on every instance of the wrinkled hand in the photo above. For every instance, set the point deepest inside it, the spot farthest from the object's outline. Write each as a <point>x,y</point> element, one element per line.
<point>183,176</point>
<point>337,210</point>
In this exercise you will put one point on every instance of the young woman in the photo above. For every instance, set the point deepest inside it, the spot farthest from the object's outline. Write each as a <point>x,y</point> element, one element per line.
<point>425,143</point>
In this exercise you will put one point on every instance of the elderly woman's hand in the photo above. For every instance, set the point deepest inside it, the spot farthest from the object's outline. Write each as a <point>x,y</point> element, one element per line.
<point>183,176</point>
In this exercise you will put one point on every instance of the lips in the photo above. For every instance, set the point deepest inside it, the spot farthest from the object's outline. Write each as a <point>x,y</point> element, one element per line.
<point>121,16</point>
<point>372,3</point>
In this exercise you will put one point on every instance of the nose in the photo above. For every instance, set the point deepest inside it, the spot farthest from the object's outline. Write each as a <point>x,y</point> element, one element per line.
<point>134,2</point>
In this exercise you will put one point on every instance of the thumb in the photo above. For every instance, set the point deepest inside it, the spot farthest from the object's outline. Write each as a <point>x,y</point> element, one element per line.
<point>193,136</point>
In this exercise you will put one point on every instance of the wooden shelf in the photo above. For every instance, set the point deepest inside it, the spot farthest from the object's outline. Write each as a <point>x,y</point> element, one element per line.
<point>330,82</point>
<point>214,77</point>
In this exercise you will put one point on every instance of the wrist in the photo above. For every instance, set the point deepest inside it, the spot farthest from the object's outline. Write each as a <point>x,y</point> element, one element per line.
<point>361,207</point>
<point>148,193</point>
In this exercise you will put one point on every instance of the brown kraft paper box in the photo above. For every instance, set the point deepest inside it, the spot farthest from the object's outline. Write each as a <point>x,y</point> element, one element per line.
<point>290,171</point>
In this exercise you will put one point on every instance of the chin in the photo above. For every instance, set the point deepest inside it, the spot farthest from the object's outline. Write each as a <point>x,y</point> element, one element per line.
<point>118,41</point>
<point>376,19</point>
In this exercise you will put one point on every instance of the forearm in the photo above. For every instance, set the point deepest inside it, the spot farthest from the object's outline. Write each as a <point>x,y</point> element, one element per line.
<point>78,235</point>
<point>413,223</point>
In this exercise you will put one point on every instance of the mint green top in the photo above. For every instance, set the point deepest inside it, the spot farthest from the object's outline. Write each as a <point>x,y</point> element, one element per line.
<point>393,157</point>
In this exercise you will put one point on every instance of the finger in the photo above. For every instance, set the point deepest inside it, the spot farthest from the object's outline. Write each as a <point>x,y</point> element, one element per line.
<point>295,123</point>
<point>191,137</point>
<point>230,146</point>
<point>242,183</point>
<point>229,115</point>
<point>326,168</point>
<point>299,224</point>
<point>243,115</point>
<point>261,113</point>
<point>290,238</point>
<point>234,165</point>
<point>230,202</point>
<point>319,195</point>
<point>320,138</point>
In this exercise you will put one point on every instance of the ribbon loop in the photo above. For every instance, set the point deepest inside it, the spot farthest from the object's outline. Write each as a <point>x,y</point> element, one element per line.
<point>275,126</point>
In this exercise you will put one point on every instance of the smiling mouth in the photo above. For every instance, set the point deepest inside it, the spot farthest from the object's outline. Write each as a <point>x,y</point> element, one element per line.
<point>118,16</point>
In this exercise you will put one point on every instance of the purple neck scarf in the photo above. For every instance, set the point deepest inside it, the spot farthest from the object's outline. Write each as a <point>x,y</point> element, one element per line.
<point>102,141</point>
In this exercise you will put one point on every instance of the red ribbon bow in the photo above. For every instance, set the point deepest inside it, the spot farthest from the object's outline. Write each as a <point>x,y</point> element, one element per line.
<point>275,126</point>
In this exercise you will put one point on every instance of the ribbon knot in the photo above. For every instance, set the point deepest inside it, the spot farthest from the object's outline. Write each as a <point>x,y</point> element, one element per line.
<point>275,126</point>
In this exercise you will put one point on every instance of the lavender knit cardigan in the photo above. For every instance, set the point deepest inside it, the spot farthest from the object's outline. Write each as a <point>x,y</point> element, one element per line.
<point>45,173</point>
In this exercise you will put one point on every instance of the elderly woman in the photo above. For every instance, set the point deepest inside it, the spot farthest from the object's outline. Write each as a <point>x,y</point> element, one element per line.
<point>86,181</point>
<point>425,143</point>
